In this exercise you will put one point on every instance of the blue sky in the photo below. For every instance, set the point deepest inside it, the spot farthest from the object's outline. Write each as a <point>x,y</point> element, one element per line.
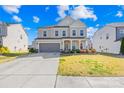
<point>32,17</point>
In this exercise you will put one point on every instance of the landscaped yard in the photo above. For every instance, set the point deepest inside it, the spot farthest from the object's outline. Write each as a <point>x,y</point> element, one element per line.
<point>9,56</point>
<point>91,65</point>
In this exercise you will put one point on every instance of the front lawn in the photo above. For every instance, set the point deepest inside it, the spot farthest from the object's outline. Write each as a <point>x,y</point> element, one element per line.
<point>9,56</point>
<point>91,65</point>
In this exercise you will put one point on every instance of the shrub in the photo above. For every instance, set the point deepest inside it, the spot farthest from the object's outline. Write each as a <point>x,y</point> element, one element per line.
<point>3,50</point>
<point>32,50</point>
<point>72,51</point>
<point>77,51</point>
<point>93,50</point>
<point>87,51</point>
<point>83,51</point>
<point>122,47</point>
<point>66,51</point>
<point>1,46</point>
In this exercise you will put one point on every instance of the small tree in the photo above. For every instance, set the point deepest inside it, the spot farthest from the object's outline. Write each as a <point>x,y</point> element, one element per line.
<point>3,50</point>
<point>122,47</point>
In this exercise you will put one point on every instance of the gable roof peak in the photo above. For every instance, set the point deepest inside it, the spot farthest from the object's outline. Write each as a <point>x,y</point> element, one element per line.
<point>66,21</point>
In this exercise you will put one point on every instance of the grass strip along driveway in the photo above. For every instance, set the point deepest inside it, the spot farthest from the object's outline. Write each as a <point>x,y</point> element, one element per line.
<point>10,56</point>
<point>91,65</point>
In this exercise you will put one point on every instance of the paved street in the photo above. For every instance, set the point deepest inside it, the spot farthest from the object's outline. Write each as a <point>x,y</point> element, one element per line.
<point>40,71</point>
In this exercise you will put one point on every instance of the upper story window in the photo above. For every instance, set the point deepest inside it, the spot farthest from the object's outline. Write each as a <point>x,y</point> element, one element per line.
<point>44,33</point>
<point>107,36</point>
<point>119,32</point>
<point>56,33</point>
<point>74,32</point>
<point>81,33</point>
<point>63,33</point>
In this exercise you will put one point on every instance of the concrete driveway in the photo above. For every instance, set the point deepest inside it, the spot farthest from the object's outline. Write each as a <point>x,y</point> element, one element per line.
<point>40,71</point>
<point>36,70</point>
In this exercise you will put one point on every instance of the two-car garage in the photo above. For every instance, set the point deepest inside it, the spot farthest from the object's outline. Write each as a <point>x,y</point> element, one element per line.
<point>49,47</point>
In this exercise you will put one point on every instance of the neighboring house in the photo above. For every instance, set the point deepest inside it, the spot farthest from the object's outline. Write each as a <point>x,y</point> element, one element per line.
<point>14,37</point>
<point>68,34</point>
<point>108,38</point>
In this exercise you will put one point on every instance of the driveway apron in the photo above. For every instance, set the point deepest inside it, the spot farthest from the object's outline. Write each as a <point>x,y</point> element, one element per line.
<point>34,70</point>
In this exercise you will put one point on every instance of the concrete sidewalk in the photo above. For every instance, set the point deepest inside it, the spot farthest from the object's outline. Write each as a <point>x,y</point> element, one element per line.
<point>89,82</point>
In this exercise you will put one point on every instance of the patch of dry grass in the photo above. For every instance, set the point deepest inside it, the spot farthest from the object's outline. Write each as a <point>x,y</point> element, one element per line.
<point>5,59</point>
<point>91,65</point>
<point>10,56</point>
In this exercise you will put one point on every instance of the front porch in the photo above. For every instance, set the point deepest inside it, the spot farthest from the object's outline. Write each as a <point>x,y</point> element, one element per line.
<point>73,45</point>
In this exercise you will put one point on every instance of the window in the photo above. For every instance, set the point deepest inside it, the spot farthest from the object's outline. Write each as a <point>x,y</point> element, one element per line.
<point>119,32</point>
<point>107,36</point>
<point>81,33</point>
<point>74,32</point>
<point>20,36</point>
<point>44,33</point>
<point>56,33</point>
<point>63,33</point>
<point>73,47</point>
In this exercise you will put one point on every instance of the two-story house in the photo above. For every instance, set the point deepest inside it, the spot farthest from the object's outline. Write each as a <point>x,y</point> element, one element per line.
<point>108,38</point>
<point>68,34</point>
<point>14,37</point>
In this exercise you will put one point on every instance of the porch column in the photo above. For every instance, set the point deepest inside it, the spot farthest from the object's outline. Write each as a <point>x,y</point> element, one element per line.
<point>71,44</point>
<point>79,43</point>
<point>85,45</point>
<point>38,48</point>
<point>63,45</point>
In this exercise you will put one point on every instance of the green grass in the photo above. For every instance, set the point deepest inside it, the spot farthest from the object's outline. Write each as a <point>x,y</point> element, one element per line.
<point>10,56</point>
<point>91,65</point>
<point>14,54</point>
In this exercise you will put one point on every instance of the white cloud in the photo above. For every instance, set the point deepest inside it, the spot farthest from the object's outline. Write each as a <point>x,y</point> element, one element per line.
<point>61,11</point>
<point>83,12</point>
<point>91,31</point>
<point>11,8</point>
<point>36,19</point>
<point>27,28</point>
<point>119,14</point>
<point>97,25</point>
<point>76,12</point>
<point>47,8</point>
<point>17,19</point>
